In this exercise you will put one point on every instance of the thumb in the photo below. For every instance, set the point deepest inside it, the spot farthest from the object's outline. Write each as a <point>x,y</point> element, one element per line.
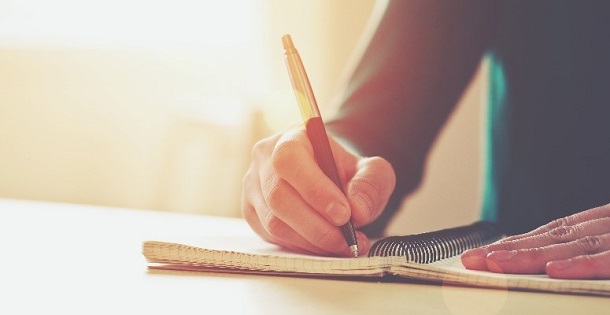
<point>370,188</point>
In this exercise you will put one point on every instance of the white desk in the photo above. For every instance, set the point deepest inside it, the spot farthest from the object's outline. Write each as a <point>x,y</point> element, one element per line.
<point>75,259</point>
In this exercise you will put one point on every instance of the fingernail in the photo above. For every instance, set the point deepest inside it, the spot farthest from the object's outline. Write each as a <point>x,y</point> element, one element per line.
<point>337,213</point>
<point>475,254</point>
<point>502,255</point>
<point>475,259</point>
<point>559,264</point>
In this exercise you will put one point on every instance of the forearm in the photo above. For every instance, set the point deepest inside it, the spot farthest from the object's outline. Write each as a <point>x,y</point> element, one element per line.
<point>413,72</point>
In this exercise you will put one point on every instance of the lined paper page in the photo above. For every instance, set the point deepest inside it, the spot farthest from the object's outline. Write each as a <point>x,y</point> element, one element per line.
<point>256,256</point>
<point>452,271</point>
<point>273,260</point>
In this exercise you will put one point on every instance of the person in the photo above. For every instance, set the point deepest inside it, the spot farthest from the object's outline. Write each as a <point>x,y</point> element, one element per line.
<point>547,177</point>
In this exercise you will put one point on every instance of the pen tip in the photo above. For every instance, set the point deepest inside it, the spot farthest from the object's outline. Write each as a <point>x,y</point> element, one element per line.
<point>354,250</point>
<point>287,42</point>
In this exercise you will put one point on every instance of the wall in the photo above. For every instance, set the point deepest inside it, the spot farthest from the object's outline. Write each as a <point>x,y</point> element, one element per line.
<point>125,128</point>
<point>115,128</point>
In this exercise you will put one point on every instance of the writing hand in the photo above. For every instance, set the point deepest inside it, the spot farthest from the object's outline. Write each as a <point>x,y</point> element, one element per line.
<point>573,247</point>
<point>287,199</point>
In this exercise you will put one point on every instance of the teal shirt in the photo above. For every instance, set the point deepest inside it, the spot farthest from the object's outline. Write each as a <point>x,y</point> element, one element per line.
<point>549,132</point>
<point>548,137</point>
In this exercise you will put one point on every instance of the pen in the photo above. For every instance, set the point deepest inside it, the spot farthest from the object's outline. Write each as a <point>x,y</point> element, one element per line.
<point>314,127</point>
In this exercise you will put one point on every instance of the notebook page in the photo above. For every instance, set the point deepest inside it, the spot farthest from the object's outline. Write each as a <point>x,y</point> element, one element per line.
<point>452,271</point>
<point>260,256</point>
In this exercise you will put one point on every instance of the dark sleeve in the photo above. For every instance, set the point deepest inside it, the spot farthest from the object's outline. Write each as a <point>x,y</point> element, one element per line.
<point>420,59</point>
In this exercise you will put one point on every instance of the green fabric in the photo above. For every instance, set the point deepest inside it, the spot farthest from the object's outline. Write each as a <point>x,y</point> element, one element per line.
<point>497,99</point>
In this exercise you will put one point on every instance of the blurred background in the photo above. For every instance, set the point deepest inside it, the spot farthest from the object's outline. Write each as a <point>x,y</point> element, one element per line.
<point>156,104</point>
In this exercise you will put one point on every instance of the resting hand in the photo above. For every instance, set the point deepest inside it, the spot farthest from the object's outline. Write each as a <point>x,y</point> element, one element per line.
<point>289,201</point>
<point>573,247</point>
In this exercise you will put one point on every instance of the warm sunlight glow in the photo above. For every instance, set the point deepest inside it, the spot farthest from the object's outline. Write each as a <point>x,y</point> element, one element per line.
<point>154,103</point>
<point>128,23</point>
<point>213,47</point>
<point>281,110</point>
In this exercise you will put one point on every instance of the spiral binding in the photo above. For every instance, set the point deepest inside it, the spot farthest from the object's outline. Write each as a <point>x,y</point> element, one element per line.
<point>429,247</point>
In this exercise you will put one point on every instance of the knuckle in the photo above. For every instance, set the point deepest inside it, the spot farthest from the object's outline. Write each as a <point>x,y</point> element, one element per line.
<point>283,156</point>
<point>508,239</point>
<point>276,194</point>
<point>562,234</point>
<point>510,246</point>
<point>589,244</point>
<point>259,148</point>
<point>557,223</point>
<point>535,253</point>
<point>274,226</point>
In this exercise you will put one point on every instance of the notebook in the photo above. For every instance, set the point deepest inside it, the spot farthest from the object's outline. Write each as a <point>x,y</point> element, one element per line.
<point>432,257</point>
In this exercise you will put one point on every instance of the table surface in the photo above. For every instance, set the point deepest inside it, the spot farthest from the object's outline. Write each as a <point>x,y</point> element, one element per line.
<point>80,259</point>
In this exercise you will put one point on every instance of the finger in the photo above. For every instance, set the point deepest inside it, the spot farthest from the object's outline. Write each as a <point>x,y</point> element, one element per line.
<point>294,162</point>
<point>370,188</point>
<point>476,259</point>
<point>591,214</point>
<point>534,260</point>
<point>581,267</point>
<point>561,234</point>
<point>248,197</point>
<point>297,242</point>
<point>282,235</point>
<point>261,152</point>
<point>286,205</point>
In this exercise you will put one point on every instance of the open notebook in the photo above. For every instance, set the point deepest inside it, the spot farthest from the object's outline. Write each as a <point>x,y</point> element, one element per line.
<point>432,257</point>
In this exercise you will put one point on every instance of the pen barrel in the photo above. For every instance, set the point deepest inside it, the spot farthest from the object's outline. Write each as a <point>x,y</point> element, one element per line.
<point>300,84</point>
<point>316,132</point>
